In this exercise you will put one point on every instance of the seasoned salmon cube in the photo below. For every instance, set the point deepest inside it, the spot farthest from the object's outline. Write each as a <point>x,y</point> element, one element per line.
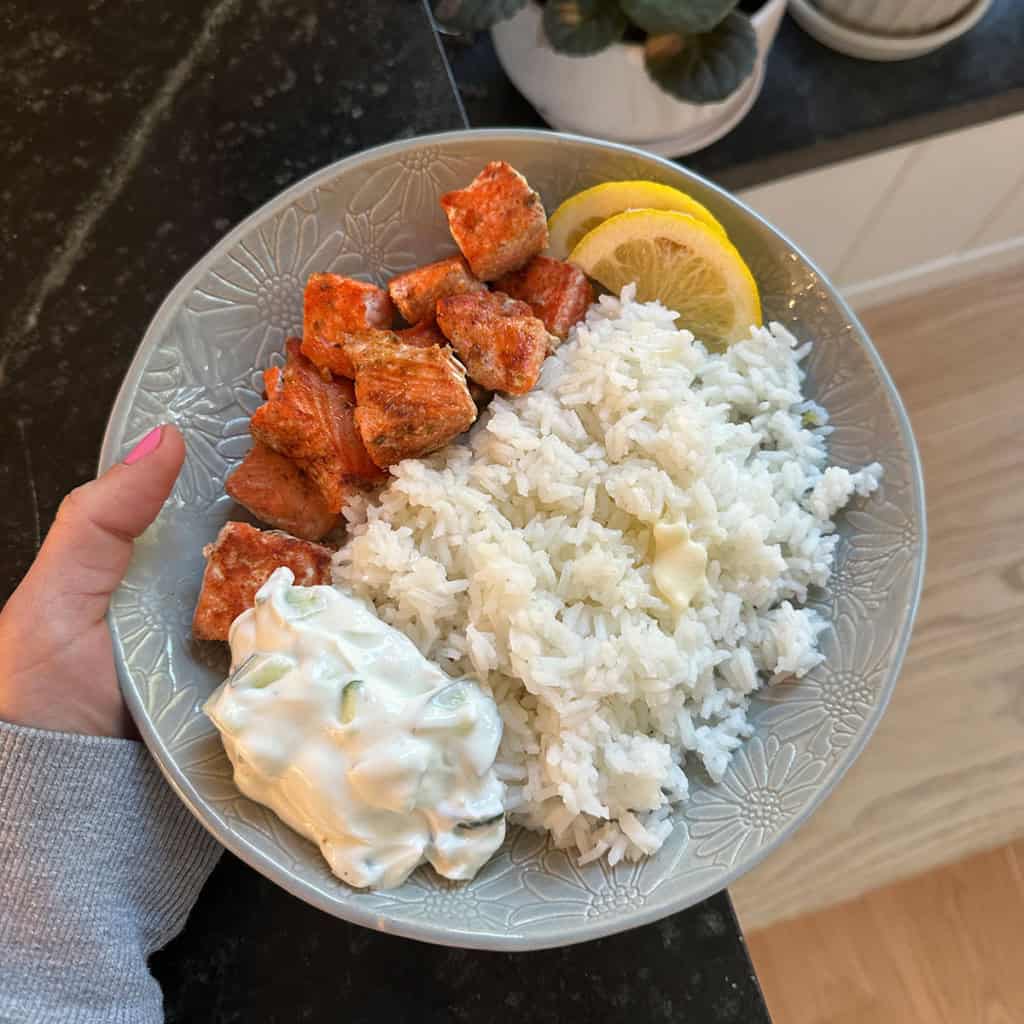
<point>239,562</point>
<point>275,490</point>
<point>498,221</point>
<point>415,293</point>
<point>410,400</point>
<point>271,380</point>
<point>335,303</point>
<point>499,339</point>
<point>334,306</point>
<point>334,356</point>
<point>423,335</point>
<point>312,421</point>
<point>558,292</point>
<point>331,357</point>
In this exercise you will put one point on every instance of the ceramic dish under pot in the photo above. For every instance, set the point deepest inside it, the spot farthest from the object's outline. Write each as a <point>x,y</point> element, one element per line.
<point>895,17</point>
<point>887,30</point>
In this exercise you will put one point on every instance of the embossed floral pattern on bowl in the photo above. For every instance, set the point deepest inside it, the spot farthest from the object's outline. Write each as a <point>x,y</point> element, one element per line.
<point>198,366</point>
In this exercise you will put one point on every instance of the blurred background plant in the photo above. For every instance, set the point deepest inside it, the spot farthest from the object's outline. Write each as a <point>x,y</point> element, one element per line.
<point>699,51</point>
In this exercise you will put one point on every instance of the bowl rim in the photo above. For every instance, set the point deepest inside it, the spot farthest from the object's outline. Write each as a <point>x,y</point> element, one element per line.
<point>430,931</point>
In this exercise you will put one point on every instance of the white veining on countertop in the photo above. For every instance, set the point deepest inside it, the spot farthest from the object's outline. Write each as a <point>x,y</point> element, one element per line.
<point>121,169</point>
<point>30,473</point>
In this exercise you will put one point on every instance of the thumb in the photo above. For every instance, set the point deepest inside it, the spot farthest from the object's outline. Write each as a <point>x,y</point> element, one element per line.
<point>87,551</point>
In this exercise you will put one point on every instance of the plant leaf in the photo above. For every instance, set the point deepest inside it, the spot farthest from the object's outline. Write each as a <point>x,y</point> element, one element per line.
<point>473,15</point>
<point>659,17</point>
<point>580,27</point>
<point>707,67</point>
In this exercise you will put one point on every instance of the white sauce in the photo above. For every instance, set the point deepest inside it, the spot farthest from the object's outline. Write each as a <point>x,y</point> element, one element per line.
<point>335,721</point>
<point>680,565</point>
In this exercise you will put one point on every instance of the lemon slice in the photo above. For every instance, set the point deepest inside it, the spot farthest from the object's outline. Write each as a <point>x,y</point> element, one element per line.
<point>684,264</point>
<point>585,210</point>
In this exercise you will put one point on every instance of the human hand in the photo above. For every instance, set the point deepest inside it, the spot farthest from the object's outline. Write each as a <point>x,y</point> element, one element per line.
<point>56,657</point>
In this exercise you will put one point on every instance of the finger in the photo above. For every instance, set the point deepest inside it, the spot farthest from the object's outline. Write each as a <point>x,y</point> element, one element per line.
<point>88,549</point>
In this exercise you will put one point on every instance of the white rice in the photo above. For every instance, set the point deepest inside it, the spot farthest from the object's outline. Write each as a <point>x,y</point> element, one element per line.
<point>523,560</point>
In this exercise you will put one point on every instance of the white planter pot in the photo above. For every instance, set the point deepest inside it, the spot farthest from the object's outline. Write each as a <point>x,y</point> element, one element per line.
<point>895,17</point>
<point>611,96</point>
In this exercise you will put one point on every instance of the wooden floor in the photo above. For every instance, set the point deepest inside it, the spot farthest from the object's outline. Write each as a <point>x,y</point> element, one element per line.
<point>943,948</point>
<point>944,775</point>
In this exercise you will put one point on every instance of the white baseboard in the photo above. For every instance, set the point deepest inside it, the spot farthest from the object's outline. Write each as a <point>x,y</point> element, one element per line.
<point>948,270</point>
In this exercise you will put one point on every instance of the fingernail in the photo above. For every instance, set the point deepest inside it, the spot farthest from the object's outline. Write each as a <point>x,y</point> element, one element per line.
<point>148,444</point>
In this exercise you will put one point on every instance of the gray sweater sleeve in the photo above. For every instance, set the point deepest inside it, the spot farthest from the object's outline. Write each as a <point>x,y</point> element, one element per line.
<point>100,864</point>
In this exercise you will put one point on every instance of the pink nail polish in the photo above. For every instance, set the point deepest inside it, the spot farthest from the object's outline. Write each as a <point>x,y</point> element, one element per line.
<point>148,444</point>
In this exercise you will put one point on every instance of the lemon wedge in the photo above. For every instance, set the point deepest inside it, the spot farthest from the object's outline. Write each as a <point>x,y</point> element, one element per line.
<point>686,265</point>
<point>585,210</point>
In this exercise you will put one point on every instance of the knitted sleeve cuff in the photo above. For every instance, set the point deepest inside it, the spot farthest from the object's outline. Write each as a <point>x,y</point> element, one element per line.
<point>100,863</point>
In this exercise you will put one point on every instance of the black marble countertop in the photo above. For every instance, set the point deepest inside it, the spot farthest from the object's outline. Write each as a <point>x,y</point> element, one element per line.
<point>253,954</point>
<point>135,135</point>
<point>817,106</point>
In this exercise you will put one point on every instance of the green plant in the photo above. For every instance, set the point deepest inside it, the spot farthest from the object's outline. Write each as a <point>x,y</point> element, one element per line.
<point>699,51</point>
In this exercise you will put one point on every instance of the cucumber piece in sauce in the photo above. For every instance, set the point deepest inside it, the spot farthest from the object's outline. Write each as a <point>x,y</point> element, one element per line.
<point>465,826</point>
<point>260,670</point>
<point>303,602</point>
<point>451,697</point>
<point>448,709</point>
<point>349,700</point>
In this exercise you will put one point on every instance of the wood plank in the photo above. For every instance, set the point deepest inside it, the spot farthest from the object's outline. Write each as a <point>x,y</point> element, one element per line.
<point>944,775</point>
<point>942,948</point>
<point>1006,222</point>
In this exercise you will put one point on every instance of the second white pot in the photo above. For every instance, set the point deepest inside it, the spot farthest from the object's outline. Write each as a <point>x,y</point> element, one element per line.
<point>898,41</point>
<point>895,17</point>
<point>611,96</point>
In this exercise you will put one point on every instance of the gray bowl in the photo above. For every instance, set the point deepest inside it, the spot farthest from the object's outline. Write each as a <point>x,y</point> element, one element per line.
<point>199,365</point>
